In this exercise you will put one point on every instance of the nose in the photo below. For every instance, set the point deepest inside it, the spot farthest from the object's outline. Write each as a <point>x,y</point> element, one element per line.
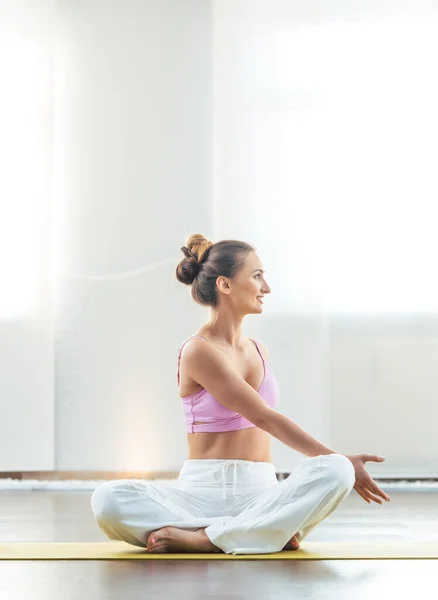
<point>266,289</point>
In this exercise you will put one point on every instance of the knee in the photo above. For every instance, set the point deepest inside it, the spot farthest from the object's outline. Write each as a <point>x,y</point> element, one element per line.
<point>341,469</point>
<point>105,501</point>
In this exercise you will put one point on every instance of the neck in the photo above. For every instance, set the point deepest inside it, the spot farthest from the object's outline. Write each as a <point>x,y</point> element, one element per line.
<point>226,327</point>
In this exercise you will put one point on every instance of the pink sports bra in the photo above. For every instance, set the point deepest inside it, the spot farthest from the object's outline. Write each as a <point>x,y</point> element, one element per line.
<point>214,416</point>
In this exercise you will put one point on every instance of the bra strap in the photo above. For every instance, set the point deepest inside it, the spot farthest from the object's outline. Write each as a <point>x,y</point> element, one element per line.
<point>258,349</point>
<point>180,350</point>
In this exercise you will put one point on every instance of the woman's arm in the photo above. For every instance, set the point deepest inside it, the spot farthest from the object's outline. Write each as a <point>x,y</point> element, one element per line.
<point>206,365</point>
<point>291,434</point>
<point>288,432</point>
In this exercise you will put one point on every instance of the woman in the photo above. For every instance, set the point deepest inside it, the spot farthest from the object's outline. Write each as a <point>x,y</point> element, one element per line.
<point>227,497</point>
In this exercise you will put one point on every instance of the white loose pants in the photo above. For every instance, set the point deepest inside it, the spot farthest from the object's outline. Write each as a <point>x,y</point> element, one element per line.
<point>243,507</point>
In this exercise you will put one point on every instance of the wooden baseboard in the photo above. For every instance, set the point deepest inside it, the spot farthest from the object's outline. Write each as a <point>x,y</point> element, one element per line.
<point>87,475</point>
<point>110,475</point>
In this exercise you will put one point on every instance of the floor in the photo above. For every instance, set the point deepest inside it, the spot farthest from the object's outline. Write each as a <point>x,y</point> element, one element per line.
<point>67,516</point>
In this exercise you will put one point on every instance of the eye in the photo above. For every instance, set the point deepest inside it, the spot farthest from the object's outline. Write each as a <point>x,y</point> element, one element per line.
<point>258,275</point>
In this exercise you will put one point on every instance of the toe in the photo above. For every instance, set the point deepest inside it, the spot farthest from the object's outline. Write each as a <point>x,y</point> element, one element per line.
<point>151,540</point>
<point>292,544</point>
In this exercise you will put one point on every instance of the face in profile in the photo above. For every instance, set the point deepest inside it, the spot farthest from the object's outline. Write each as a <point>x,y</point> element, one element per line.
<point>249,286</point>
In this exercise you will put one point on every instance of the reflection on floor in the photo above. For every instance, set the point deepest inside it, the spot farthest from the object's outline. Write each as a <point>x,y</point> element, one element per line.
<point>67,516</point>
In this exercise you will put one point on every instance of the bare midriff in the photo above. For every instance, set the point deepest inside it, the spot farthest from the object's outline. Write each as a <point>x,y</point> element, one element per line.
<point>252,444</point>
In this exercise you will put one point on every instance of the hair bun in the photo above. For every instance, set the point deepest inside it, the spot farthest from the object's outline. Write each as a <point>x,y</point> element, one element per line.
<point>198,245</point>
<point>195,252</point>
<point>188,253</point>
<point>204,262</point>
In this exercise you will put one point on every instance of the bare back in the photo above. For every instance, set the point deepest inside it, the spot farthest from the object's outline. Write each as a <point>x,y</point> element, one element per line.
<point>251,444</point>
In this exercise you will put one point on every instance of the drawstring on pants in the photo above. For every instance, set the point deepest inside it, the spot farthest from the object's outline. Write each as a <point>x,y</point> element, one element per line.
<point>223,468</point>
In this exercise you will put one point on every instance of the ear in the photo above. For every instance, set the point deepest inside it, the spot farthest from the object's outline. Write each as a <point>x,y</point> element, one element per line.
<point>223,283</point>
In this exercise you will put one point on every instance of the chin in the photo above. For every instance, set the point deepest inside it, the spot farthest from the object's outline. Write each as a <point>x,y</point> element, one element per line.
<point>254,310</point>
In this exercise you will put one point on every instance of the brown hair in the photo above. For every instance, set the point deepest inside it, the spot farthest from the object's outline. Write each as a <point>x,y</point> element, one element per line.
<point>204,262</point>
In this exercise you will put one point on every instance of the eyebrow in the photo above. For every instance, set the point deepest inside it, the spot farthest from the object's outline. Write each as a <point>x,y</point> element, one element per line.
<point>261,270</point>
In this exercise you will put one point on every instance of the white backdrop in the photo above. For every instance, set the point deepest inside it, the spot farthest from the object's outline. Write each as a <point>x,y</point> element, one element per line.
<point>324,139</point>
<point>27,298</point>
<point>308,132</point>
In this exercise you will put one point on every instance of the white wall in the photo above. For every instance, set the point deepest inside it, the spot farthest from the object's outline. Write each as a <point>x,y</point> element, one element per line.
<point>27,389</point>
<point>324,120</point>
<point>134,156</point>
<point>384,390</point>
<point>148,148</point>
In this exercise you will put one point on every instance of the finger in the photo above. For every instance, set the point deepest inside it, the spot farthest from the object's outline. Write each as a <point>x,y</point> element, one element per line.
<point>373,458</point>
<point>376,490</point>
<point>368,495</point>
<point>358,490</point>
<point>372,497</point>
<point>373,487</point>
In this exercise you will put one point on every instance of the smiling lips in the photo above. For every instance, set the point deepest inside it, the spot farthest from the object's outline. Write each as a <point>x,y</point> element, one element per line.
<point>260,299</point>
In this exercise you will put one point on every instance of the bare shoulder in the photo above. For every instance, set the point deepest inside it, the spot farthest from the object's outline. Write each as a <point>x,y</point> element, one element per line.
<point>202,359</point>
<point>194,346</point>
<point>204,364</point>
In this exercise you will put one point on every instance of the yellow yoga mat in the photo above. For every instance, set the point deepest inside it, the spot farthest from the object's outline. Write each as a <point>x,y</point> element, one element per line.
<point>308,551</point>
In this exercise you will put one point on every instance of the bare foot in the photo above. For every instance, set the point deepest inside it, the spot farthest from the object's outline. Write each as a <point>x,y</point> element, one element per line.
<point>173,539</point>
<point>293,543</point>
